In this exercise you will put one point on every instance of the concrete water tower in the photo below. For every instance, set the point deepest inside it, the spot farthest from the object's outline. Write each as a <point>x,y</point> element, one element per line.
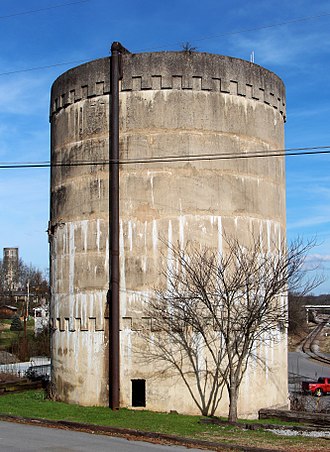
<point>172,104</point>
<point>10,267</point>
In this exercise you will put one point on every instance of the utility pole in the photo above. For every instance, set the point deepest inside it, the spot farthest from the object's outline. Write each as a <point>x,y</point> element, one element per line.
<point>25,319</point>
<point>28,298</point>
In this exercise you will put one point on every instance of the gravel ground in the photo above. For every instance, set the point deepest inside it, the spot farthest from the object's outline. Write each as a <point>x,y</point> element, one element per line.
<point>311,434</point>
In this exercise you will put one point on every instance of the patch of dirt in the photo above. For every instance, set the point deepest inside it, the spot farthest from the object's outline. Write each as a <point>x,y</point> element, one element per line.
<point>294,340</point>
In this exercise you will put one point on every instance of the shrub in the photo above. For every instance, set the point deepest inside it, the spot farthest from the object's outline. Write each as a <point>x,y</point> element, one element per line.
<point>16,324</point>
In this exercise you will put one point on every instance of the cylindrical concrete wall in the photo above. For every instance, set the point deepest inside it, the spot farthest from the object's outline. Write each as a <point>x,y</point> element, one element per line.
<point>175,106</point>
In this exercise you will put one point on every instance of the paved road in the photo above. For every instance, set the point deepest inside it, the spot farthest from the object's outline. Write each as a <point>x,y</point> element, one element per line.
<point>300,364</point>
<point>26,438</point>
<point>301,367</point>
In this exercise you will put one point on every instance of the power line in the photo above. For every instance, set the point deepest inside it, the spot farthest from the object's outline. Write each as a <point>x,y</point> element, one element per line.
<point>49,66</point>
<point>37,68</point>
<point>32,11</point>
<point>247,30</point>
<point>292,152</point>
<point>279,24</point>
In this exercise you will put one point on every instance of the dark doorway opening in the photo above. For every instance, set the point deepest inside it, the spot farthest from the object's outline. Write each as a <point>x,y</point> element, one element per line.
<point>138,392</point>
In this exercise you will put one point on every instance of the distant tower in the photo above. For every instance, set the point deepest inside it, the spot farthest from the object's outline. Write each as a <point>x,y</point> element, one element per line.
<point>10,264</point>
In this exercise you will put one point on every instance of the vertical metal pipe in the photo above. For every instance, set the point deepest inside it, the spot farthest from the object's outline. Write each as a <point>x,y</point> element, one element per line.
<point>113,294</point>
<point>114,231</point>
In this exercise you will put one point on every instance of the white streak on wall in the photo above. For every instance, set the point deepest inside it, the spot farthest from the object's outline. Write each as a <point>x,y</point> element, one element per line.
<point>98,234</point>
<point>74,339</point>
<point>71,264</point>
<point>152,190</point>
<point>130,235</point>
<point>154,236</point>
<point>91,306</point>
<point>64,235</point>
<point>106,260</point>
<point>122,270</point>
<point>181,230</point>
<point>145,235</point>
<point>88,344</point>
<point>169,253</point>
<point>84,300</point>
<point>84,231</point>
<point>220,245</point>
<point>145,252</point>
<point>260,237</point>
<point>99,308</point>
<point>126,347</point>
<point>268,235</point>
<point>54,275</point>
<point>170,233</point>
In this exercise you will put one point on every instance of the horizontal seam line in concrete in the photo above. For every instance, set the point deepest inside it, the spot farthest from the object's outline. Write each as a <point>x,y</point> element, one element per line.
<point>195,130</point>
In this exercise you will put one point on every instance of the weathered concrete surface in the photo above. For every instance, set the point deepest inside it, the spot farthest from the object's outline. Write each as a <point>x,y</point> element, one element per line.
<point>171,105</point>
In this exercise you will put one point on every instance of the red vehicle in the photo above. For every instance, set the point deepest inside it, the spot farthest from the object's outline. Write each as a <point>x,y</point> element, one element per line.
<point>319,388</point>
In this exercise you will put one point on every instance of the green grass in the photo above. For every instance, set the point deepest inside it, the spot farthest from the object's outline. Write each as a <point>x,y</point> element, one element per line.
<point>33,404</point>
<point>7,336</point>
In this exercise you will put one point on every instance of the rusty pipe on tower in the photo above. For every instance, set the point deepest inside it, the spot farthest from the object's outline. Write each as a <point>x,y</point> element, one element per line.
<point>114,275</point>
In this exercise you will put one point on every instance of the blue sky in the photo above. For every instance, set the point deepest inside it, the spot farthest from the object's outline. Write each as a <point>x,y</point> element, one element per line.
<point>73,32</point>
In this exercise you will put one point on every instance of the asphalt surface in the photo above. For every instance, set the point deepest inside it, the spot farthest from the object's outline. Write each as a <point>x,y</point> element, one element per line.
<point>302,367</point>
<point>19,437</point>
<point>306,368</point>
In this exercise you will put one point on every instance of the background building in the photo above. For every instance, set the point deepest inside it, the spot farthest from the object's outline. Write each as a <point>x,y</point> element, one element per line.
<point>10,267</point>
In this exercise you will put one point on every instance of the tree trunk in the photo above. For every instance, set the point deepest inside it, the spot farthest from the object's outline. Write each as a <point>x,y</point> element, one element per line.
<point>233,396</point>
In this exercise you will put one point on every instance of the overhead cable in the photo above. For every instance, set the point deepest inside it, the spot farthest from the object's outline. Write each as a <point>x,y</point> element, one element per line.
<point>32,11</point>
<point>247,30</point>
<point>279,24</point>
<point>292,152</point>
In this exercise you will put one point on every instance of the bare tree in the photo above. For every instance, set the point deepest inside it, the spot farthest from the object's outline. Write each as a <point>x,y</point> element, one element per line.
<point>25,275</point>
<point>185,338</point>
<point>215,310</point>
<point>297,315</point>
<point>2,281</point>
<point>188,48</point>
<point>34,277</point>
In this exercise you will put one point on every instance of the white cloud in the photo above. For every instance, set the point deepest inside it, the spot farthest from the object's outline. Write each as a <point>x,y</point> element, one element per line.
<point>24,94</point>
<point>283,46</point>
<point>309,221</point>
<point>319,258</point>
